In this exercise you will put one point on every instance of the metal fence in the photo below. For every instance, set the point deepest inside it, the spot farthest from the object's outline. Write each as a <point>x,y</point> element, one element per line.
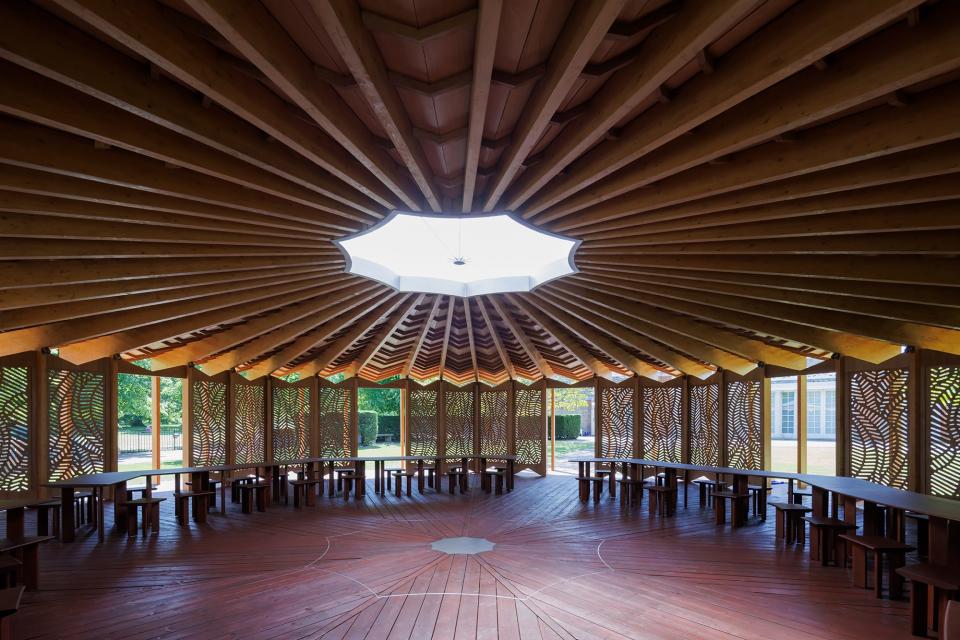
<point>141,441</point>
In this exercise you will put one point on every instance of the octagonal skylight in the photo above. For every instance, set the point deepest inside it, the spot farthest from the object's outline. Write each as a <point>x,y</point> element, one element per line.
<point>458,255</point>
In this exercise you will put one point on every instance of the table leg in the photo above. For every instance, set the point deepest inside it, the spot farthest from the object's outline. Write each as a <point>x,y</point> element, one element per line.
<point>359,467</point>
<point>31,566</point>
<point>820,502</point>
<point>15,523</point>
<point>98,496</point>
<point>66,514</point>
<point>377,488</point>
<point>511,470</point>
<point>420,475</point>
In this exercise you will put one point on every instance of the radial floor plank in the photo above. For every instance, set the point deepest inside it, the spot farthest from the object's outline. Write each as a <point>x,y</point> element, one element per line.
<point>560,569</point>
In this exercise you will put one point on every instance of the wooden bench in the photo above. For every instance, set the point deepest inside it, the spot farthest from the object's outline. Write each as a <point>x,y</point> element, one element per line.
<point>707,487</point>
<point>880,546</point>
<point>212,485</point>
<point>825,541</point>
<point>584,485</point>
<point>496,479</point>
<point>9,605</point>
<point>457,479</point>
<point>10,568</point>
<point>389,473</point>
<point>85,508</point>
<point>951,621</point>
<point>799,495</point>
<point>182,503</point>
<point>305,491</point>
<point>251,492</point>
<point>400,474</point>
<point>27,551</point>
<point>739,506</point>
<point>236,483</point>
<point>151,514</point>
<point>663,499</point>
<point>758,498</point>
<point>789,519</point>
<point>943,583</point>
<point>631,491</point>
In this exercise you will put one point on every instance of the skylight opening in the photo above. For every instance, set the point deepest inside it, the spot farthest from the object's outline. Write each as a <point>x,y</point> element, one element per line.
<point>458,255</point>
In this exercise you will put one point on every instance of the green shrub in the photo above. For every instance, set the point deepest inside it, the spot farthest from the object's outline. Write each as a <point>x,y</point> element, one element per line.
<point>568,427</point>
<point>367,421</point>
<point>390,425</point>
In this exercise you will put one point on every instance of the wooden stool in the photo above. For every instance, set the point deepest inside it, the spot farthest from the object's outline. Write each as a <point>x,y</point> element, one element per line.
<point>151,514</point>
<point>790,527</point>
<point>495,479</point>
<point>353,481</point>
<point>922,521</point>
<point>455,479</point>
<point>758,498</point>
<point>951,622</point>
<point>945,586</point>
<point>896,557</point>
<point>9,605</point>
<point>200,501</point>
<point>584,484</point>
<point>304,492</point>
<point>343,471</point>
<point>662,499</point>
<point>799,495</point>
<point>389,472</point>
<point>400,475</point>
<point>85,508</point>
<point>739,505</point>
<point>825,537</point>
<point>214,485</point>
<point>631,492</point>
<point>44,510</point>
<point>10,567</point>
<point>251,491</point>
<point>707,487</point>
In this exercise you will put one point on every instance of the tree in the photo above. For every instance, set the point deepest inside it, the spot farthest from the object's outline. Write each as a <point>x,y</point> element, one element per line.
<point>133,400</point>
<point>385,401</point>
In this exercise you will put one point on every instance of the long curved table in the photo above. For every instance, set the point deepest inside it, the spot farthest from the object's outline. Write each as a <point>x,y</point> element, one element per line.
<point>829,492</point>
<point>200,478</point>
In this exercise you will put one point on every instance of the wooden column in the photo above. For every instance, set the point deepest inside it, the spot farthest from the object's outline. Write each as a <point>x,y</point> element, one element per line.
<point>187,413</point>
<point>314,417</point>
<point>511,418</point>
<point>354,417</point>
<point>155,422</point>
<point>597,413</point>
<point>404,406</point>
<point>801,413</point>
<point>722,406</point>
<point>842,417</point>
<point>40,424</point>
<point>442,422</point>
<point>685,420</point>
<point>766,426</point>
<point>918,436</point>
<point>639,446</point>
<point>553,431</point>
<point>268,419</point>
<point>110,418</point>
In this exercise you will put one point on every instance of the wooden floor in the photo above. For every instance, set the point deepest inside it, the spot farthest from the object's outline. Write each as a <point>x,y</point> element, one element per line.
<point>560,569</point>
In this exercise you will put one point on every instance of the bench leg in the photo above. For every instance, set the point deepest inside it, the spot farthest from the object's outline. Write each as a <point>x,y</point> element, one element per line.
<point>780,526</point>
<point>918,609</point>
<point>859,566</point>
<point>131,521</point>
<point>409,486</point>
<point>895,560</point>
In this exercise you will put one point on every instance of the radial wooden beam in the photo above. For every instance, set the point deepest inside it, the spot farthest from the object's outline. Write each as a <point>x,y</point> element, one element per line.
<point>531,349</point>
<point>43,149</point>
<point>765,319</point>
<point>562,336</point>
<point>591,336</point>
<point>31,97</point>
<point>447,328</point>
<point>344,25</point>
<point>36,40</point>
<point>646,342</point>
<point>144,29</point>
<point>484,50</point>
<point>933,117</point>
<point>778,50</point>
<point>421,336</point>
<point>341,345</point>
<point>667,51</point>
<point>390,327</point>
<point>470,341</point>
<point>584,30</point>
<point>726,350</point>
<point>497,342</point>
<point>345,312</point>
<point>221,341</point>
<point>861,76</point>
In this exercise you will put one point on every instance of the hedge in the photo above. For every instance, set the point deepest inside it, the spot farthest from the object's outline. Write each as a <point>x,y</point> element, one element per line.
<point>390,425</point>
<point>368,425</point>
<point>568,427</point>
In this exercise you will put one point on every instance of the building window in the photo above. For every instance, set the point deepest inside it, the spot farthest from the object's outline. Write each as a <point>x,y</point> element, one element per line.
<point>815,413</point>
<point>830,413</point>
<point>788,413</point>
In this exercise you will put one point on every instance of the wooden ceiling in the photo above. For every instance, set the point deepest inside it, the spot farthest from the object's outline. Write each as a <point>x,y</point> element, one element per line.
<point>753,181</point>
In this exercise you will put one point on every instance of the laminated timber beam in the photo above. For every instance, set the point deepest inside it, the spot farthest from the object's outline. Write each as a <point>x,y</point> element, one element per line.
<point>309,333</point>
<point>32,97</point>
<point>33,39</point>
<point>933,117</point>
<point>583,31</point>
<point>485,45</point>
<point>525,343</point>
<point>144,29</point>
<point>420,337</point>
<point>447,328</point>
<point>562,336</point>
<point>360,328</point>
<point>593,337</point>
<point>776,52</point>
<point>665,52</point>
<point>759,318</point>
<point>642,342</point>
<point>44,149</point>
<point>497,341</point>
<point>355,44</point>
<point>470,340</point>
<point>377,342</point>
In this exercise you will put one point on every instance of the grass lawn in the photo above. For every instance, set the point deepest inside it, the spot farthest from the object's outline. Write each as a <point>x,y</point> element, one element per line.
<point>821,456</point>
<point>139,466</point>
